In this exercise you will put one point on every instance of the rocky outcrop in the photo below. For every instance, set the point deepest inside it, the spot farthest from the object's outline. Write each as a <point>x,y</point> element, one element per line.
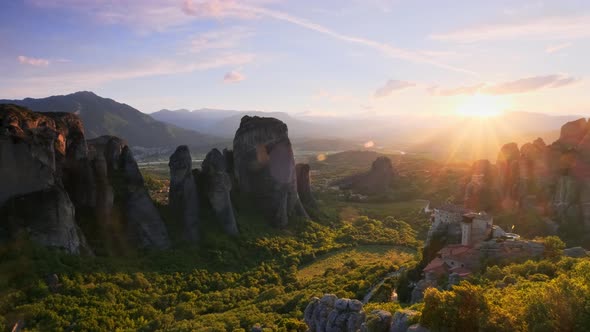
<point>47,217</point>
<point>508,175</point>
<point>35,152</point>
<point>481,192</point>
<point>377,321</point>
<point>182,197</point>
<point>401,320</point>
<point>122,201</point>
<point>304,186</point>
<point>264,168</point>
<point>378,180</point>
<point>218,185</point>
<point>330,314</point>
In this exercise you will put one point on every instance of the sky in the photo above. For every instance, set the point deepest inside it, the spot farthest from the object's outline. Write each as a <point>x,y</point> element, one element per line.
<point>313,58</point>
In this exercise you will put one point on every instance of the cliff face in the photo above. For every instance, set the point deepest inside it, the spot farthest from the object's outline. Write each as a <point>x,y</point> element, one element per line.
<point>218,185</point>
<point>35,150</point>
<point>553,179</point>
<point>49,174</point>
<point>264,168</point>
<point>123,205</point>
<point>183,198</point>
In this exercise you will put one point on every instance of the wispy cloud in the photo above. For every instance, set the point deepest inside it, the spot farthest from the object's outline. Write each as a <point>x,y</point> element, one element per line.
<point>547,28</point>
<point>92,78</point>
<point>25,60</point>
<point>219,39</point>
<point>233,77</point>
<point>391,86</point>
<point>523,85</point>
<point>230,8</point>
<point>558,47</point>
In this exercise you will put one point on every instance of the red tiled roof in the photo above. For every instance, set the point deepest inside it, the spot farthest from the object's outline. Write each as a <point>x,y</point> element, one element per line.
<point>435,264</point>
<point>454,250</point>
<point>461,271</point>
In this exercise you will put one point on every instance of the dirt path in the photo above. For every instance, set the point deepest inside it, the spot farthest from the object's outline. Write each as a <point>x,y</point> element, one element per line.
<point>375,287</point>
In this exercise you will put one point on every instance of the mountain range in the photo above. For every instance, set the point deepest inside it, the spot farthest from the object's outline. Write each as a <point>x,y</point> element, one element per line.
<point>448,137</point>
<point>103,116</point>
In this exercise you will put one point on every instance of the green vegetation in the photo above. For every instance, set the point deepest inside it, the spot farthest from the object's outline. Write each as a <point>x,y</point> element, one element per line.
<point>548,295</point>
<point>226,283</point>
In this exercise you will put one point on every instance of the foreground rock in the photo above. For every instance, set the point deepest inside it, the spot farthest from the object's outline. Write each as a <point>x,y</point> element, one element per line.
<point>35,151</point>
<point>183,198</point>
<point>331,314</point>
<point>218,186</point>
<point>264,168</point>
<point>47,217</point>
<point>122,201</point>
<point>378,180</point>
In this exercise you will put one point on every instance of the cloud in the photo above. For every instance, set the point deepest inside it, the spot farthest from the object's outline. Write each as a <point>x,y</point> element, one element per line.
<point>233,77</point>
<point>219,39</point>
<point>558,47</point>
<point>244,10</point>
<point>547,28</point>
<point>25,60</point>
<point>391,86</point>
<point>523,85</point>
<point>92,78</point>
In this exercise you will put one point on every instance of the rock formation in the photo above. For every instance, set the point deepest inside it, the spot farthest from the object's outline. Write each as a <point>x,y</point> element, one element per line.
<point>304,186</point>
<point>330,314</point>
<point>53,182</point>
<point>183,199</point>
<point>481,192</point>
<point>34,149</point>
<point>264,168</point>
<point>218,185</point>
<point>122,201</point>
<point>378,180</point>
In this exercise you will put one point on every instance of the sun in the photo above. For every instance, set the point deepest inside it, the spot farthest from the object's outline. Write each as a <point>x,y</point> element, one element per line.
<point>481,106</point>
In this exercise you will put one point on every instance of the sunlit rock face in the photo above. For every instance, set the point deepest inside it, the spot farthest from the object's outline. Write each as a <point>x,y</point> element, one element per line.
<point>218,186</point>
<point>183,198</point>
<point>481,192</point>
<point>123,205</point>
<point>36,152</point>
<point>264,168</point>
<point>508,174</point>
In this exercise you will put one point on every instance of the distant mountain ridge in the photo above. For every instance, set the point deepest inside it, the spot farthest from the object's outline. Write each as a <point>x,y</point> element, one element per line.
<point>103,116</point>
<point>222,122</point>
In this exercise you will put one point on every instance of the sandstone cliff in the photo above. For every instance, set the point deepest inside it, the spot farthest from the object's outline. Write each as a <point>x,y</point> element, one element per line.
<point>183,197</point>
<point>51,177</point>
<point>264,168</point>
<point>378,180</point>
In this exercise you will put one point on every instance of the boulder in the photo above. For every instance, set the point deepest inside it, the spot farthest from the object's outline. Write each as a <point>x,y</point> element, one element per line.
<point>218,186</point>
<point>330,314</point>
<point>378,321</point>
<point>264,168</point>
<point>576,252</point>
<point>401,320</point>
<point>182,197</point>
